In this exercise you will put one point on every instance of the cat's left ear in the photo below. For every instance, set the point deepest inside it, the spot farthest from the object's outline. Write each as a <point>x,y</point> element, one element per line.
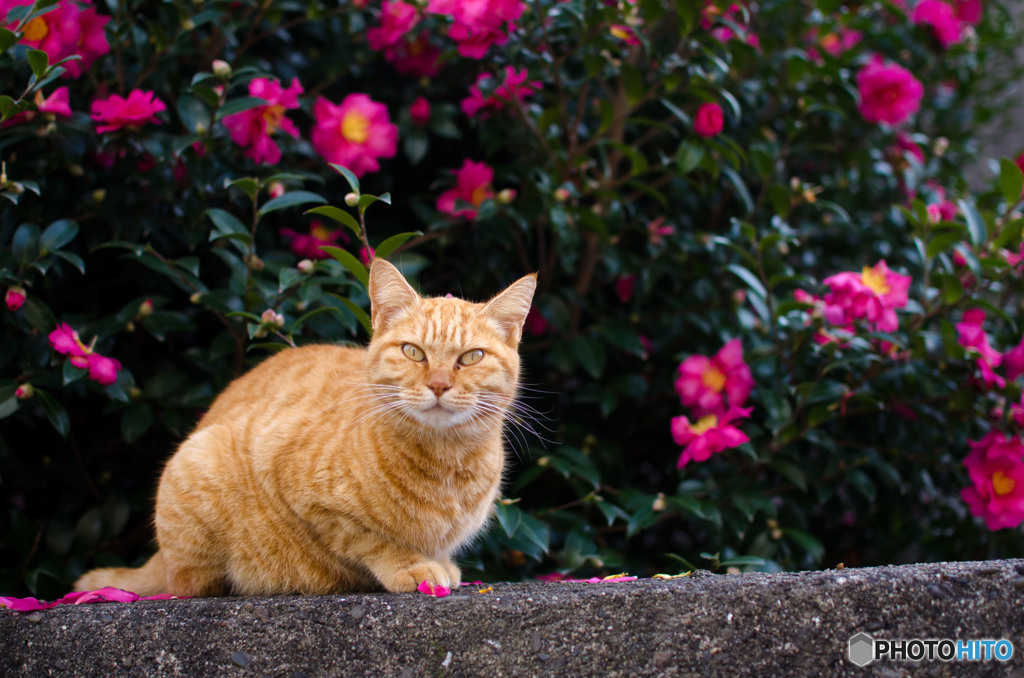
<point>508,310</point>
<point>390,294</point>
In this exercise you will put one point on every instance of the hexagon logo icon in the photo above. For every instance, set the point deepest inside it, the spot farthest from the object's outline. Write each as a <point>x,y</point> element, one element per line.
<point>862,649</point>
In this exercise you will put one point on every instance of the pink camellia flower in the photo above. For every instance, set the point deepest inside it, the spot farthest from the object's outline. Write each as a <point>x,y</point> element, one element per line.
<point>657,230</point>
<point>941,17</point>
<point>513,89</point>
<point>624,33</point>
<point>709,434</point>
<point>366,256</point>
<point>904,146</point>
<point>15,297</point>
<point>709,120</point>
<point>355,133</point>
<point>474,41</point>
<point>72,28</point>
<point>996,470</point>
<point>968,11</point>
<point>624,286</point>
<point>397,19</point>
<point>415,57</point>
<point>92,42</point>
<point>888,92</point>
<point>841,40</point>
<point>252,128</point>
<point>478,24</point>
<point>307,245</point>
<point>1013,361</point>
<point>873,294</point>
<point>419,112</point>
<point>52,107</point>
<point>101,369</point>
<point>704,383</point>
<point>536,324</point>
<point>971,334</point>
<point>472,185</point>
<point>116,112</point>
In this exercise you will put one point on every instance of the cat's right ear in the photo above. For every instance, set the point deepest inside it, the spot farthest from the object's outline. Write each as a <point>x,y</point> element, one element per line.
<point>390,294</point>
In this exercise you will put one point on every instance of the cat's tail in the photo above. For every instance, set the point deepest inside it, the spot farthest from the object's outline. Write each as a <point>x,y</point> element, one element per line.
<point>148,580</point>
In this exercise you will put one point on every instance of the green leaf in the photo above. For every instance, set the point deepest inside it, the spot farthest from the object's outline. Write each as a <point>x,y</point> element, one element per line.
<point>8,38</point>
<point>737,561</point>
<point>1011,180</point>
<point>290,199</point>
<point>975,223</point>
<point>71,373</point>
<point>38,314</point>
<point>752,282</point>
<point>791,471</point>
<point>688,157</point>
<point>357,311</point>
<point>135,421</point>
<point>239,105</point>
<point>741,187</point>
<point>54,411</point>
<point>247,185</point>
<point>812,546</point>
<point>612,512</point>
<point>346,259</point>
<point>366,200</point>
<point>394,242</point>
<point>38,61</point>
<point>298,323</point>
<point>591,355</point>
<point>226,225</point>
<point>25,245</point>
<point>8,402</point>
<point>339,215</point>
<point>353,182</point>
<point>643,518</point>
<point>509,517</point>
<point>56,235</point>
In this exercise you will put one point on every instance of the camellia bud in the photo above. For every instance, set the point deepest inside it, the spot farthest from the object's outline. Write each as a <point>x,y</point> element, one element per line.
<point>221,68</point>
<point>188,25</point>
<point>76,170</point>
<point>659,502</point>
<point>24,392</point>
<point>146,308</point>
<point>506,196</point>
<point>255,263</point>
<point>197,297</point>
<point>99,194</point>
<point>134,392</point>
<point>270,317</point>
<point>15,297</point>
<point>306,266</point>
<point>561,194</point>
<point>301,306</point>
<point>276,189</point>
<point>351,199</point>
<point>940,146</point>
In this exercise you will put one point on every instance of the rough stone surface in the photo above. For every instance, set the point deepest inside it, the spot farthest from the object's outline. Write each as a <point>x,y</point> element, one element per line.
<point>730,625</point>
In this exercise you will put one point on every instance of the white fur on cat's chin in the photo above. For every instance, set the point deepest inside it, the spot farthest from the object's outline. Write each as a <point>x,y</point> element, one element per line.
<point>441,413</point>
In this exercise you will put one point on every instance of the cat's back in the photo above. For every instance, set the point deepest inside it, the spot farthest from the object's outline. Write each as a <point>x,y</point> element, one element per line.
<point>294,378</point>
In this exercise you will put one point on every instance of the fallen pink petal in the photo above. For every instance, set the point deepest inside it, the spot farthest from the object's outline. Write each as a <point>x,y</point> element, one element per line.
<point>107,594</point>
<point>433,590</point>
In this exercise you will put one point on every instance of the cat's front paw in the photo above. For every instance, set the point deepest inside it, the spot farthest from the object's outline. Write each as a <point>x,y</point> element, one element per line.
<point>405,580</point>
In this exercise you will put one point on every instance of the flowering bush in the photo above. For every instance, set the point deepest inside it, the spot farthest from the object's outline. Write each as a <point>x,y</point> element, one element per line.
<point>775,327</point>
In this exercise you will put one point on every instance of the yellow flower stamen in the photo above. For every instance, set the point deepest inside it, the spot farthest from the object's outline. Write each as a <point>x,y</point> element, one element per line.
<point>36,29</point>
<point>704,424</point>
<point>355,127</point>
<point>1002,484</point>
<point>875,280</point>
<point>713,379</point>
<point>272,116</point>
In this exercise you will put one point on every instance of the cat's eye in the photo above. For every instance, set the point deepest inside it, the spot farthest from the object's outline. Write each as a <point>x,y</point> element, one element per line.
<point>471,357</point>
<point>414,353</point>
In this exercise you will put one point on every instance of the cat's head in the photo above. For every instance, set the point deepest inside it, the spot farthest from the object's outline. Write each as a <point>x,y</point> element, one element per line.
<point>446,363</point>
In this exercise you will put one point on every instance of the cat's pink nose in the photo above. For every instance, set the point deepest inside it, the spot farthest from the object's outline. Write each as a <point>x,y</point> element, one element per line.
<point>439,382</point>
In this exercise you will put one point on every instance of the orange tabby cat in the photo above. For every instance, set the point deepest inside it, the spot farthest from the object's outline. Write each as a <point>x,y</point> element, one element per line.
<point>329,469</point>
